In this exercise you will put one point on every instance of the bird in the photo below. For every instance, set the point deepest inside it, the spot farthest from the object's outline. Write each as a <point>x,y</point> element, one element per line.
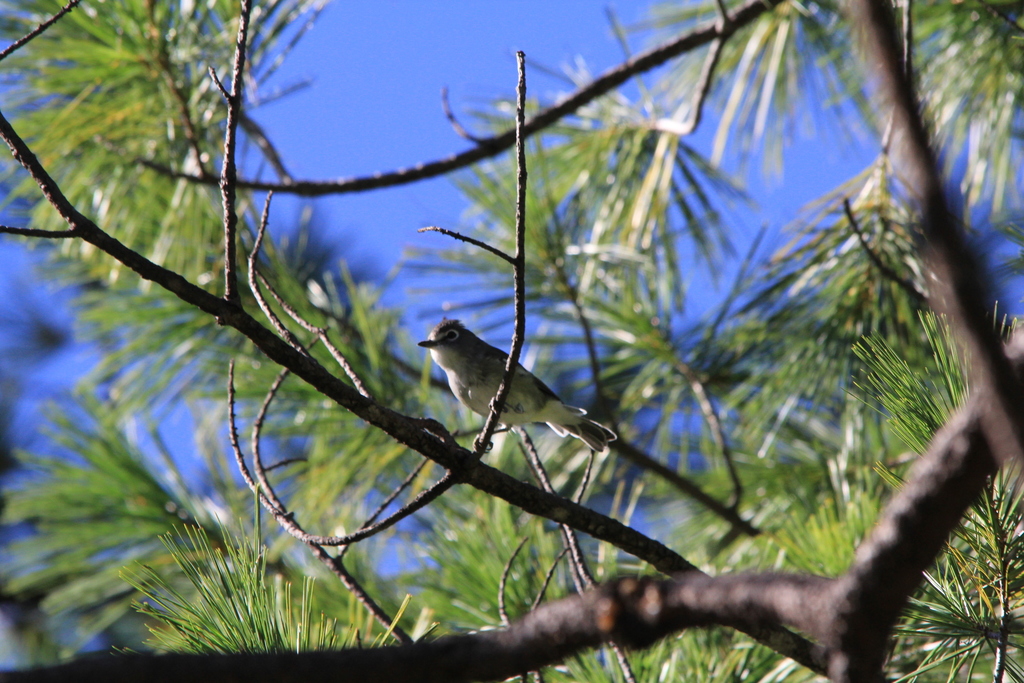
<point>475,370</point>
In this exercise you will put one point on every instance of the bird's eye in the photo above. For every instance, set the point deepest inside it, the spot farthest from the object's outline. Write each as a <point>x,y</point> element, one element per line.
<point>452,335</point>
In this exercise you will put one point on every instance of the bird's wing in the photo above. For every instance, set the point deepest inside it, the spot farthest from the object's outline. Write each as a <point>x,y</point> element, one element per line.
<point>495,354</point>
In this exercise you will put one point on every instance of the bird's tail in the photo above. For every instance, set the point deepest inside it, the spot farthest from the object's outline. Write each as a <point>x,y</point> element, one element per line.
<point>589,432</point>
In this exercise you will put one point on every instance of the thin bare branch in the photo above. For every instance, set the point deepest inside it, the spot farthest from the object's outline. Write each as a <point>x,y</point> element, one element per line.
<point>33,232</point>
<point>321,335</point>
<point>283,463</point>
<point>254,255</point>
<point>635,454</point>
<point>170,78</point>
<point>702,35</point>
<point>229,173</point>
<point>700,94</point>
<point>28,37</point>
<point>581,491</point>
<point>483,441</point>
<point>391,498</point>
<point>890,274</point>
<point>547,579</point>
<point>707,407</point>
<point>406,483</point>
<point>470,240</point>
<point>257,135</point>
<point>456,126</point>
<point>254,444</point>
<point>337,567</point>
<point>581,573</point>
<point>504,578</point>
<point>723,12</point>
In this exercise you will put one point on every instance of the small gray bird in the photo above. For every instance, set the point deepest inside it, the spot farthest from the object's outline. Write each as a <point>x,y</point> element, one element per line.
<point>475,369</point>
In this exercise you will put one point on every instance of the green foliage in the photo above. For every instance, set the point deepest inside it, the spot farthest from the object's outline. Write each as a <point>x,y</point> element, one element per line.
<point>236,606</point>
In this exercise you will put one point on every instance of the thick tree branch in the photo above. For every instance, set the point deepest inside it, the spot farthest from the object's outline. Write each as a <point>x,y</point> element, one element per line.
<point>488,147</point>
<point>631,612</point>
<point>963,454</point>
<point>910,533</point>
<point>958,287</point>
<point>638,612</point>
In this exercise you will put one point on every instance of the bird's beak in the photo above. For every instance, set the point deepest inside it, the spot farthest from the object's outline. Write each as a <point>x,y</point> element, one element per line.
<point>427,344</point>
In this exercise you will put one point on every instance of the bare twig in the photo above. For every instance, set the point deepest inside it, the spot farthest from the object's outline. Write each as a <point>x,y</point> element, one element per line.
<point>229,173</point>
<point>504,578</point>
<point>283,463</point>
<point>256,133</point>
<point>456,126</point>
<point>707,407</point>
<point>488,147</point>
<point>391,498</point>
<point>636,455</point>
<point>33,232</point>
<point>700,94</point>
<point>406,483</point>
<point>28,37</point>
<point>254,255</point>
<point>723,13</point>
<point>483,441</point>
<point>170,80</point>
<point>907,286</point>
<point>254,444</point>
<point>578,498</point>
<point>470,240</point>
<point>337,567</point>
<point>547,579</point>
<point>568,534</point>
<point>321,334</point>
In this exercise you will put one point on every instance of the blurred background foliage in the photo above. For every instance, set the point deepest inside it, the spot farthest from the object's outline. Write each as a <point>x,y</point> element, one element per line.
<point>126,523</point>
